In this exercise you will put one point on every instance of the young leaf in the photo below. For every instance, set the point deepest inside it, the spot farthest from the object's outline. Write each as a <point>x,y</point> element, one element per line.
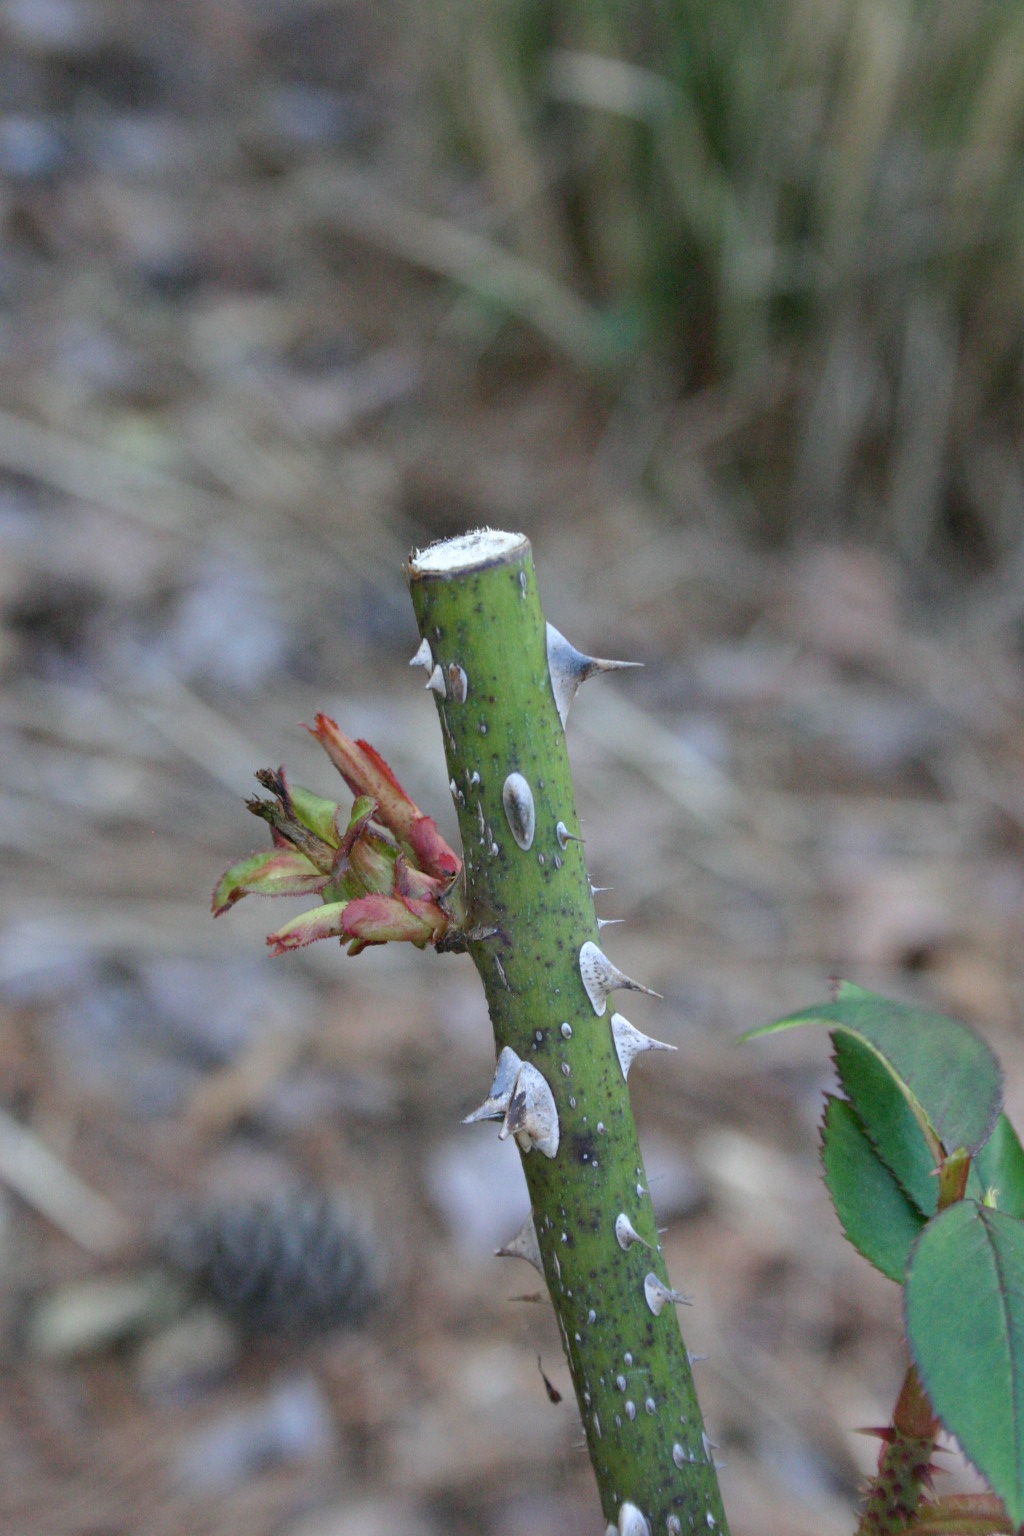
<point>316,814</point>
<point>888,1120</point>
<point>875,1214</point>
<point>1000,1167</point>
<point>964,1305</point>
<point>282,872</point>
<point>948,1075</point>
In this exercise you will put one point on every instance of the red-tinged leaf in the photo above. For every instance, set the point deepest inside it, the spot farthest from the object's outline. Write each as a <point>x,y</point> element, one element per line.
<point>376,919</point>
<point>416,885</point>
<point>373,919</point>
<point>363,811</point>
<point>283,872</point>
<point>326,922</point>
<point>366,773</point>
<point>372,860</point>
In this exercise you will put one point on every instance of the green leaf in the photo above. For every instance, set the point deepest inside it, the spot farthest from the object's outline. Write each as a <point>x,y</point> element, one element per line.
<point>315,814</point>
<point>964,1304</point>
<point>888,1120</point>
<point>875,1214</point>
<point>1000,1167</point>
<point>948,1075</point>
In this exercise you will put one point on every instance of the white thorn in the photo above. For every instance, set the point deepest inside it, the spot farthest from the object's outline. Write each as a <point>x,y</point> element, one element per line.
<point>609,922</point>
<point>598,890</point>
<point>436,681</point>
<point>632,1522</point>
<point>673,1526</point>
<point>517,798</point>
<point>568,668</point>
<point>659,1295</point>
<point>458,683</point>
<point>500,1092</point>
<point>531,1115</point>
<point>630,1043</point>
<point>626,1234</point>
<point>565,837</point>
<point>423,657</point>
<point>600,977</point>
<point>523,1246</point>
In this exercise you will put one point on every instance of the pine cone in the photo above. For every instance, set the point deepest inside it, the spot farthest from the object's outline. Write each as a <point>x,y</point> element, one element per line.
<point>291,1264</point>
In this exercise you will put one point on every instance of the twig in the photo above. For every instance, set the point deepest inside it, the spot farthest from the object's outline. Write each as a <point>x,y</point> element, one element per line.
<point>35,1173</point>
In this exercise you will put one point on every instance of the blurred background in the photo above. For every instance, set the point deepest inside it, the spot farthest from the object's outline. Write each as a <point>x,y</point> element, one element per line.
<point>723,306</point>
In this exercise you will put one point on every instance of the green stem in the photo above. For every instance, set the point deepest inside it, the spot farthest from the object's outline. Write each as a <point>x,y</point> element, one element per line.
<point>895,1494</point>
<point>530,914</point>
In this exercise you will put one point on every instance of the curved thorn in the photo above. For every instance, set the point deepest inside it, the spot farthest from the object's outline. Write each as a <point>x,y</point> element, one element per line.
<point>568,668</point>
<point>631,1522</point>
<point>658,1295</point>
<point>523,1246</point>
<point>630,1043</point>
<point>600,977</point>
<point>626,1234</point>
<point>531,1116</point>
<point>500,1092</point>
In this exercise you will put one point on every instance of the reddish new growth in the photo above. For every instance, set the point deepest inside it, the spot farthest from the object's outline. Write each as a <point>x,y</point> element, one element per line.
<point>386,873</point>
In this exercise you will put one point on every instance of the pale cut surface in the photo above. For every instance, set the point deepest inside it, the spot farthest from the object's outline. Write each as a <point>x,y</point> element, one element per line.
<point>483,546</point>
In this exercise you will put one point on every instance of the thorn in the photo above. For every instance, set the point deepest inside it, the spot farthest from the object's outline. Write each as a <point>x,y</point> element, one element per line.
<point>554,1396</point>
<point>631,1522</point>
<point>436,681</point>
<point>599,890</point>
<point>458,683</point>
<point>609,922</point>
<point>423,657</point>
<point>568,668</point>
<point>626,1234</point>
<point>658,1295</point>
<point>600,977</point>
<point>523,1246</point>
<point>630,1043</point>
<point>483,931</point>
<point>540,1297</point>
<point>517,798</point>
<point>695,1359</point>
<point>500,1092</point>
<point>564,836</point>
<point>531,1116</point>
